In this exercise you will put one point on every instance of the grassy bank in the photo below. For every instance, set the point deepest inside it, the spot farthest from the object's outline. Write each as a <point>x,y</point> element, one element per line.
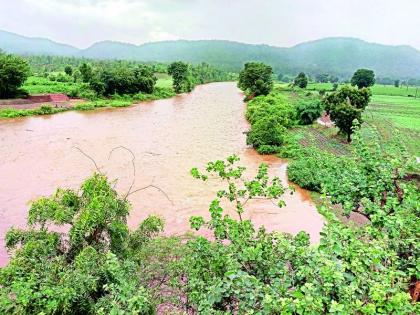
<point>39,85</point>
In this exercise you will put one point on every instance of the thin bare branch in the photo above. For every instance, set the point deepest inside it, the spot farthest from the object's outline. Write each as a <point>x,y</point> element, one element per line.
<point>89,157</point>
<point>132,162</point>
<point>155,187</point>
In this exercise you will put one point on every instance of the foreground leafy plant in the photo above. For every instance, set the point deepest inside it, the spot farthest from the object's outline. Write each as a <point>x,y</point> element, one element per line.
<point>244,271</point>
<point>90,269</point>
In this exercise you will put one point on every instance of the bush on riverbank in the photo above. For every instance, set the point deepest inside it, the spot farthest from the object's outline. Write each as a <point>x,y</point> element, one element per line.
<point>270,116</point>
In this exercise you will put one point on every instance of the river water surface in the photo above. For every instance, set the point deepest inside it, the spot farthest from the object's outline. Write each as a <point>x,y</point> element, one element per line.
<point>168,138</point>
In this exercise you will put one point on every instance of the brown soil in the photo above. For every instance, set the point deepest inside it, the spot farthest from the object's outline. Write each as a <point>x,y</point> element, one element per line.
<point>36,101</point>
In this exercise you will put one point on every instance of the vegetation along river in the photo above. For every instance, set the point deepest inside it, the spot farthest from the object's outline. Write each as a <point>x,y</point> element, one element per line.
<point>167,137</point>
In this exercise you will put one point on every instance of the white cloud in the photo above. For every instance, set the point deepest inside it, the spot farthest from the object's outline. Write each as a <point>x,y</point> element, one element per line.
<point>275,22</point>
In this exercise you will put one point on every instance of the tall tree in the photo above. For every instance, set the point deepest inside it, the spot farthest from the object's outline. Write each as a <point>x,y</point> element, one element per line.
<point>301,80</point>
<point>363,78</point>
<point>256,79</point>
<point>86,72</point>
<point>346,106</point>
<point>68,70</point>
<point>181,76</point>
<point>14,70</point>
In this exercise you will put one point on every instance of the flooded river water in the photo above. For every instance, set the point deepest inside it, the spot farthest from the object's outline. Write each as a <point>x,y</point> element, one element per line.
<point>168,138</point>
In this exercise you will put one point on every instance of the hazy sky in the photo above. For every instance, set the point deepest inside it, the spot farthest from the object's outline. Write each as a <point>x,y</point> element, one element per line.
<point>274,22</point>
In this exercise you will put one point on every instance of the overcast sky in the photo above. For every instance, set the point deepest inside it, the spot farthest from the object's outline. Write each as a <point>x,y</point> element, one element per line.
<point>273,22</point>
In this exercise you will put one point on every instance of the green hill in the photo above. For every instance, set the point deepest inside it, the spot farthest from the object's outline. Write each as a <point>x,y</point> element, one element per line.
<point>339,56</point>
<point>22,45</point>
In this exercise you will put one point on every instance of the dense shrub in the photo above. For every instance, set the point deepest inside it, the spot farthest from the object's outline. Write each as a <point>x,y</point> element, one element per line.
<point>275,104</point>
<point>90,269</point>
<point>309,110</point>
<point>119,80</point>
<point>270,116</point>
<point>14,71</point>
<point>301,80</point>
<point>266,133</point>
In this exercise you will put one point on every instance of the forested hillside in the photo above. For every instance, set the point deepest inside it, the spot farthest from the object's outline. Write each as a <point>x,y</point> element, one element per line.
<point>338,56</point>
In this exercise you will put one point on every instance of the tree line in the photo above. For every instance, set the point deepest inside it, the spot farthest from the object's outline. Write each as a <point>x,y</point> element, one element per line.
<point>105,78</point>
<point>344,106</point>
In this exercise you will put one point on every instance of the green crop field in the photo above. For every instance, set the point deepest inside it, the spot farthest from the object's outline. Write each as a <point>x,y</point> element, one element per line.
<point>39,85</point>
<point>394,112</point>
<point>391,90</point>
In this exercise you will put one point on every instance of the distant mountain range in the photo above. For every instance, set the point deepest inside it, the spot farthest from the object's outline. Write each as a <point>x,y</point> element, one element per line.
<point>339,56</point>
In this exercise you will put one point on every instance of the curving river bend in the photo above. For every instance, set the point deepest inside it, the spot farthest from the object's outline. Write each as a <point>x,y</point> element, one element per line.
<point>168,138</point>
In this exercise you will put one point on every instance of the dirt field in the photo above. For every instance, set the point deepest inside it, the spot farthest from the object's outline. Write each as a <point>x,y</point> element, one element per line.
<point>36,101</point>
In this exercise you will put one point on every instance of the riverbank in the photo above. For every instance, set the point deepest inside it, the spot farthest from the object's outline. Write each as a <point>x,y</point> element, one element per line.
<point>49,108</point>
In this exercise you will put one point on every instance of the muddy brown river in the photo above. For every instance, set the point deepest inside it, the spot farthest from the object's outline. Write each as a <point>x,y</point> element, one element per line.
<point>168,138</point>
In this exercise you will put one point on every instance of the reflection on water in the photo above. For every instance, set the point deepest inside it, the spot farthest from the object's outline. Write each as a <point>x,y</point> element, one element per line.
<point>168,138</point>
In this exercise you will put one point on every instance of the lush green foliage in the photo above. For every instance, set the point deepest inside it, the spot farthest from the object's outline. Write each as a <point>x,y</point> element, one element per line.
<point>346,94</point>
<point>181,76</point>
<point>204,73</point>
<point>403,111</point>
<point>270,116</point>
<point>68,70</point>
<point>346,117</point>
<point>114,101</point>
<point>301,80</point>
<point>346,106</point>
<point>363,78</point>
<point>309,110</point>
<point>363,270</point>
<point>14,71</point>
<point>100,267</point>
<point>41,85</point>
<point>90,269</point>
<point>86,72</point>
<point>121,81</point>
<point>256,79</point>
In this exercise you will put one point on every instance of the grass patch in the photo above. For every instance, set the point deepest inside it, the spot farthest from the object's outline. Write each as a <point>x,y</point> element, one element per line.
<point>39,85</point>
<point>43,110</point>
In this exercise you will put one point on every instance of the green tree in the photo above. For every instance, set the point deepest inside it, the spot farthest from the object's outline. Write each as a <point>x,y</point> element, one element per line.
<point>363,78</point>
<point>256,79</point>
<point>344,116</point>
<point>68,70</point>
<point>345,106</point>
<point>322,78</point>
<point>181,76</point>
<point>124,80</point>
<point>89,270</point>
<point>77,76</point>
<point>86,71</point>
<point>14,71</point>
<point>358,98</point>
<point>397,83</point>
<point>301,80</point>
